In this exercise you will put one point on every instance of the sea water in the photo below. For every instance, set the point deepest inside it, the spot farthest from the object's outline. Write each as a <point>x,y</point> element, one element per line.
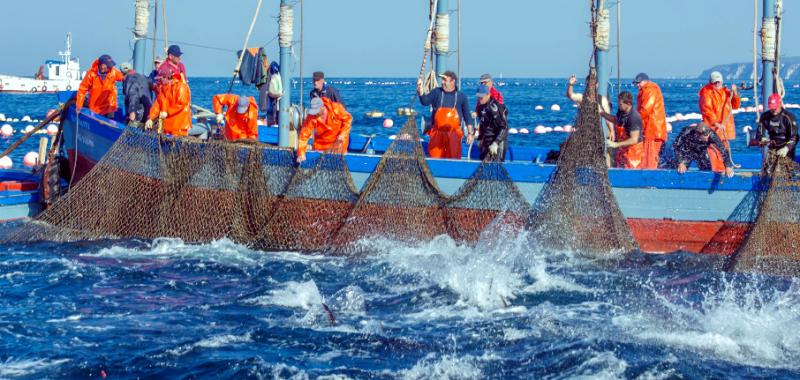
<point>438,310</point>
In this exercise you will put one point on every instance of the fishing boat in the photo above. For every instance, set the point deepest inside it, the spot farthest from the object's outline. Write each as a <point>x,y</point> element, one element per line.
<point>55,75</point>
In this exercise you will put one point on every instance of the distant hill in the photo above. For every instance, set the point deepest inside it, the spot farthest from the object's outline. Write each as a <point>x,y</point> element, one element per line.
<point>790,70</point>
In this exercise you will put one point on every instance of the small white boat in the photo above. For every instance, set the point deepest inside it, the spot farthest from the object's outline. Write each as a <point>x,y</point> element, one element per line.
<point>53,76</point>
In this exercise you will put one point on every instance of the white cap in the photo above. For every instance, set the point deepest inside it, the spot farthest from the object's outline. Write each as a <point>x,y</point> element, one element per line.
<point>715,77</point>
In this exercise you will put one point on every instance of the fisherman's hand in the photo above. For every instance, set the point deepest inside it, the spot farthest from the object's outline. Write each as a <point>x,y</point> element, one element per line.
<point>470,138</point>
<point>612,144</point>
<point>572,80</point>
<point>301,158</point>
<point>682,168</point>
<point>132,116</point>
<point>219,118</point>
<point>162,115</point>
<point>729,172</point>
<point>340,138</point>
<point>493,148</point>
<point>148,125</point>
<point>782,151</point>
<point>734,88</point>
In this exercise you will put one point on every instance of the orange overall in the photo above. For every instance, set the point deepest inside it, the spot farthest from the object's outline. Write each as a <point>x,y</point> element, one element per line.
<point>446,133</point>
<point>628,157</point>
<point>716,106</point>
<point>650,104</point>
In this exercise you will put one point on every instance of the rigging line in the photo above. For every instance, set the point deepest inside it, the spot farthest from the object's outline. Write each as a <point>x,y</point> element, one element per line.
<point>619,47</point>
<point>155,27</point>
<point>197,45</point>
<point>755,58</point>
<point>458,44</point>
<point>244,48</point>
<point>164,20</point>
<point>302,41</point>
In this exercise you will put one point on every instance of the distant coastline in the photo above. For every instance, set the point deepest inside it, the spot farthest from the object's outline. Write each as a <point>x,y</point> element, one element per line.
<point>790,70</point>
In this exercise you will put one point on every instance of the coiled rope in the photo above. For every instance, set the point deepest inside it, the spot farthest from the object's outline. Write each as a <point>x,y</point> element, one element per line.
<point>286,26</point>
<point>442,33</point>
<point>431,79</point>
<point>142,18</point>
<point>603,30</point>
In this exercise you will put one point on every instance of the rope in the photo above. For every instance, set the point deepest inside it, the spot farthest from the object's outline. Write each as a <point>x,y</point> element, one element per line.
<point>142,19</point>
<point>768,39</point>
<point>442,33</point>
<point>244,48</point>
<point>155,26</point>
<point>779,88</point>
<point>427,49</point>
<point>286,26</point>
<point>164,19</point>
<point>603,30</point>
<point>619,46</point>
<point>755,58</point>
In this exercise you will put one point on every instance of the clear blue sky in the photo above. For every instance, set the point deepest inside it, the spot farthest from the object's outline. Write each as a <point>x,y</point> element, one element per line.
<point>367,38</point>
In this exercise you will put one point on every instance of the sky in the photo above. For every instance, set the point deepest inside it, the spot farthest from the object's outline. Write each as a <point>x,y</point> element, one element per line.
<point>384,38</point>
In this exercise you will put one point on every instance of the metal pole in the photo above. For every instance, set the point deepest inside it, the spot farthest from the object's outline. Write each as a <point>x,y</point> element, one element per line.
<point>619,46</point>
<point>458,46</point>
<point>155,27</point>
<point>285,42</point>
<point>302,41</point>
<point>767,63</point>
<point>141,22</point>
<point>441,56</point>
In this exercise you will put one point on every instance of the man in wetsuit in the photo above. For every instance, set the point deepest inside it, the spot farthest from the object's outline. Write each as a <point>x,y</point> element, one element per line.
<point>449,111</point>
<point>692,145</point>
<point>493,116</point>
<point>777,128</point>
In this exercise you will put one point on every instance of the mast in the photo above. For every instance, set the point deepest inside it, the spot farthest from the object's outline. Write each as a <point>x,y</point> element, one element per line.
<point>442,45</point>
<point>141,22</point>
<point>768,52</point>
<point>285,35</point>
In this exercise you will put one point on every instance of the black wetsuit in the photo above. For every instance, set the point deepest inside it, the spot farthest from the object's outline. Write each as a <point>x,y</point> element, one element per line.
<point>689,146</point>
<point>494,127</point>
<point>781,128</point>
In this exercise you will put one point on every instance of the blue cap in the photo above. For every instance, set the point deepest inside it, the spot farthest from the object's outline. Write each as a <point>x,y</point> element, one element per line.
<point>483,90</point>
<point>640,78</point>
<point>242,104</point>
<point>105,59</point>
<point>315,106</point>
<point>175,50</point>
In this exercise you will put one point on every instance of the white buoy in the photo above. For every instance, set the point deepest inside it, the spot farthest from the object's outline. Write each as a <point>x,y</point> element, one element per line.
<point>538,108</point>
<point>747,129</point>
<point>388,123</point>
<point>6,163</point>
<point>2,117</point>
<point>392,137</point>
<point>6,130</point>
<point>558,128</point>
<point>513,131</point>
<point>568,128</point>
<point>555,107</point>
<point>35,120</point>
<point>540,129</point>
<point>31,159</point>
<point>669,127</point>
<point>14,120</point>
<point>26,118</point>
<point>28,128</point>
<point>52,129</point>
<point>524,131</point>
<point>548,129</point>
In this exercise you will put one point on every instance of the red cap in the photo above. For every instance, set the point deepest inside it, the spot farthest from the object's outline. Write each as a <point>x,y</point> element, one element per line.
<point>774,102</point>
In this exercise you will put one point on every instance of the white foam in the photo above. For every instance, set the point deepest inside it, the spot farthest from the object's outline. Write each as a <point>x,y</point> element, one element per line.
<point>446,367</point>
<point>303,295</point>
<point>28,367</point>
<point>603,365</point>
<point>212,342</point>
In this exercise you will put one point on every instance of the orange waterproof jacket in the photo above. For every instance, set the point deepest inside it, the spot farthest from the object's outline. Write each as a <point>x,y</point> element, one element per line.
<point>102,92</point>
<point>326,132</point>
<point>174,99</point>
<point>650,104</point>
<point>716,106</point>
<point>237,126</point>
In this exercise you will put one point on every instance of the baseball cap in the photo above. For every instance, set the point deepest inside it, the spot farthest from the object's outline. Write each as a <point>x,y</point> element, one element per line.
<point>125,67</point>
<point>483,90</point>
<point>485,78</point>
<point>242,104</point>
<point>774,102</point>
<point>106,60</point>
<point>715,77</point>
<point>640,77</point>
<point>175,50</point>
<point>450,74</point>
<point>315,106</point>
<point>318,75</point>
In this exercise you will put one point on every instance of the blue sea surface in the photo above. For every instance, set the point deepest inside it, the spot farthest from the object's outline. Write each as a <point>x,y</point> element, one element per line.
<point>438,310</point>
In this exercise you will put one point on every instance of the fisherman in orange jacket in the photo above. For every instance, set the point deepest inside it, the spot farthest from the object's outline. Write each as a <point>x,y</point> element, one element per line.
<point>172,105</point>
<point>101,84</point>
<point>650,104</point>
<point>330,123</point>
<point>716,105</point>
<point>241,117</point>
<point>628,133</point>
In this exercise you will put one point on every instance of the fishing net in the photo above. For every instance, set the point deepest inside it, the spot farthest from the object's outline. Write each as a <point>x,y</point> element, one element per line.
<point>400,200</point>
<point>737,226</point>
<point>773,246</point>
<point>313,206</point>
<point>490,195</point>
<point>576,209</point>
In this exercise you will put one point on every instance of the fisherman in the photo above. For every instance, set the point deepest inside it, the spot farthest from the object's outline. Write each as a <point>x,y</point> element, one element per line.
<point>241,117</point>
<point>269,98</point>
<point>330,123</point>
<point>650,105</point>
<point>777,128</point>
<point>486,79</point>
<point>173,61</point>
<point>100,83</point>
<point>577,97</point>
<point>693,144</point>
<point>716,105</point>
<point>493,117</point>
<point>136,89</point>
<point>628,133</point>
<point>157,61</point>
<point>172,105</point>
<point>449,110</point>
<point>322,90</point>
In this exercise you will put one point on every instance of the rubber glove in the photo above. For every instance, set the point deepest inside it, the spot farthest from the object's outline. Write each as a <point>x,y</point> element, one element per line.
<point>148,125</point>
<point>493,148</point>
<point>162,115</point>
<point>219,118</point>
<point>764,140</point>
<point>782,151</point>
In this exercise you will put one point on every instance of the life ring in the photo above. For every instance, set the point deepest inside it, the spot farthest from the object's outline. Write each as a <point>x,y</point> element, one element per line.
<point>44,88</point>
<point>33,89</point>
<point>69,87</point>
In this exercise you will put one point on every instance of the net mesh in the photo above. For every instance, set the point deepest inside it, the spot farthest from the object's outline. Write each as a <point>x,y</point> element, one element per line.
<point>576,209</point>
<point>773,245</point>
